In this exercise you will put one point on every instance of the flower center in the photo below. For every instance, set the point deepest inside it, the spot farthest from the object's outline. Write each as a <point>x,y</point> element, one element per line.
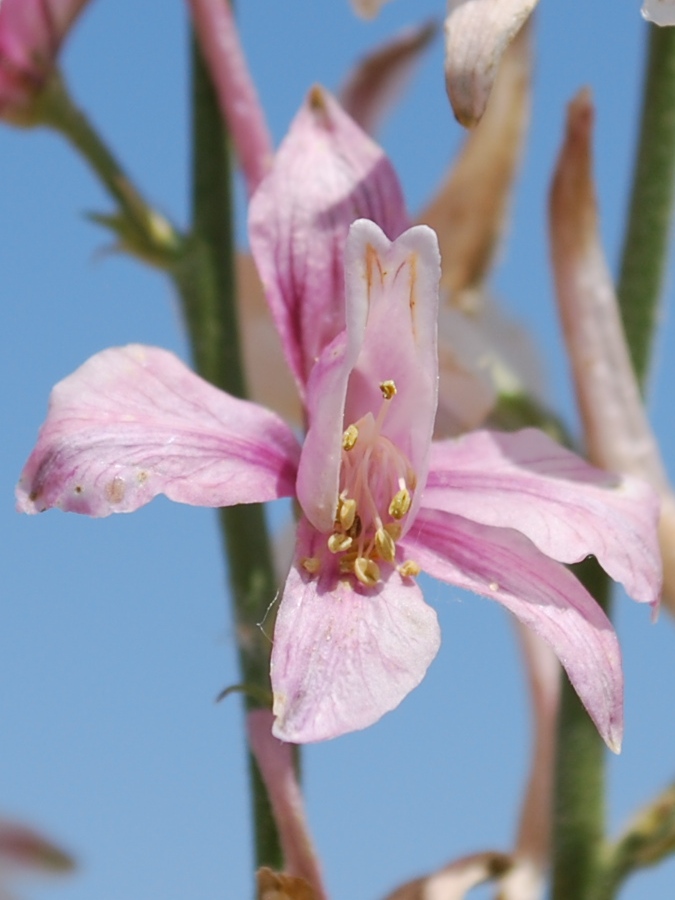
<point>377,482</point>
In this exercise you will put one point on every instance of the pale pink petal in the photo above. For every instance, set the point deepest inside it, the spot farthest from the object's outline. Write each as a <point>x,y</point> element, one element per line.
<point>392,308</point>
<point>31,33</point>
<point>237,96</point>
<point>377,80</point>
<point>477,33</point>
<point>135,422</point>
<point>503,565</point>
<point>275,761</point>
<point>326,174</point>
<point>660,12</point>
<point>454,882</point>
<point>344,654</point>
<point>526,879</point>
<point>567,507</point>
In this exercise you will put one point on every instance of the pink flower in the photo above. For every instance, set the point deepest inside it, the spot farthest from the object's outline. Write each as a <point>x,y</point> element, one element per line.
<point>31,33</point>
<point>494,513</point>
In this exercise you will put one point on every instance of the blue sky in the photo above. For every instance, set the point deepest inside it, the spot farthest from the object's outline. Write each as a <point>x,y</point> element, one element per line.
<point>116,636</point>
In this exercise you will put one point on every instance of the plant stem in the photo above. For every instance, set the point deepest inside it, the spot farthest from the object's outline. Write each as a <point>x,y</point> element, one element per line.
<point>646,240</point>
<point>205,276</point>
<point>578,820</point>
<point>141,229</point>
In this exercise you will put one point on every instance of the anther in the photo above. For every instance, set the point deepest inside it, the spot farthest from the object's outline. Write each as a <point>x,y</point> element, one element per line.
<point>367,571</point>
<point>338,542</point>
<point>346,512</point>
<point>311,564</point>
<point>400,503</point>
<point>409,569</point>
<point>388,389</point>
<point>349,437</point>
<point>394,530</point>
<point>385,545</point>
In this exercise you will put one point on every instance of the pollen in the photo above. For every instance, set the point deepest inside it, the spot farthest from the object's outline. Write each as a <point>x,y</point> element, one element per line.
<point>338,542</point>
<point>388,389</point>
<point>311,564</point>
<point>400,503</point>
<point>385,545</point>
<point>367,571</point>
<point>409,569</point>
<point>350,437</point>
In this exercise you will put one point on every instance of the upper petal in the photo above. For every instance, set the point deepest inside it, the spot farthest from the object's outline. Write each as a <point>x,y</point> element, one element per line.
<point>326,174</point>
<point>566,507</point>
<point>134,422</point>
<point>343,654</point>
<point>392,309</point>
<point>477,33</point>
<point>503,565</point>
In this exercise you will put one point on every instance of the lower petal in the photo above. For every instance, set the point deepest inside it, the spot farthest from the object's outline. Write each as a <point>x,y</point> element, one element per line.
<point>505,566</point>
<point>344,654</point>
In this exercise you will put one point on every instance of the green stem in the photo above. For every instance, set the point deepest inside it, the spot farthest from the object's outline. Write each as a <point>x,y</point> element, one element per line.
<point>579,812</point>
<point>205,276</point>
<point>141,229</point>
<point>646,240</point>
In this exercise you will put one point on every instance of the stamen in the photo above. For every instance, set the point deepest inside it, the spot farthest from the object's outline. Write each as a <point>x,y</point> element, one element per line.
<point>367,571</point>
<point>409,569</point>
<point>346,512</point>
<point>338,542</point>
<point>394,530</point>
<point>400,503</point>
<point>388,389</point>
<point>311,564</point>
<point>385,545</point>
<point>350,437</point>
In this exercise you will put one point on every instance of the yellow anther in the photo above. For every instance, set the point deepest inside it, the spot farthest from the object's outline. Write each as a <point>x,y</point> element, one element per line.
<point>346,512</point>
<point>349,437</point>
<point>356,527</point>
<point>400,503</point>
<point>347,563</point>
<point>367,571</point>
<point>409,569</point>
<point>338,542</point>
<point>388,389</point>
<point>311,564</point>
<point>385,545</point>
<point>394,530</point>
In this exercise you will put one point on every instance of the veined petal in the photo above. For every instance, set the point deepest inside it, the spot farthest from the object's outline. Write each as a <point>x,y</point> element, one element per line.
<point>134,422</point>
<point>505,566</point>
<point>660,12</point>
<point>391,309</point>
<point>344,654</point>
<point>477,32</point>
<point>378,79</point>
<point>565,506</point>
<point>326,174</point>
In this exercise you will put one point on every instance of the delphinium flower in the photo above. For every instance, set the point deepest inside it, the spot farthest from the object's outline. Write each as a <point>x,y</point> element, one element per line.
<point>495,513</point>
<point>31,34</point>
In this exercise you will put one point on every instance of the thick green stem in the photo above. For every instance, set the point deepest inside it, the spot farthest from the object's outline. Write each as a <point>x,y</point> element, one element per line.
<point>646,240</point>
<point>141,229</point>
<point>205,276</point>
<point>579,813</point>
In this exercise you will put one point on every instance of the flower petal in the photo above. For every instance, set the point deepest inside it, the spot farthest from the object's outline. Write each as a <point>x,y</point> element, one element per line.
<point>392,310</point>
<point>477,32</point>
<point>344,654</point>
<point>660,12</point>
<point>503,565</point>
<point>455,881</point>
<point>134,422</point>
<point>378,79</point>
<point>566,507</point>
<point>326,174</point>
